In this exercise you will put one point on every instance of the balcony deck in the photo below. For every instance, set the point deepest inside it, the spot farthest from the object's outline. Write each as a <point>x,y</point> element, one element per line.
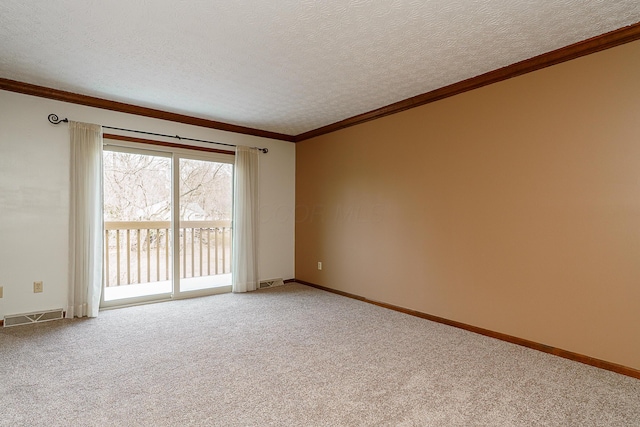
<point>138,260</point>
<point>164,287</point>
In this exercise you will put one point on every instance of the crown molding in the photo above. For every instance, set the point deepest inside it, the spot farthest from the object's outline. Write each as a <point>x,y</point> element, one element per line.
<point>105,104</point>
<point>567,53</point>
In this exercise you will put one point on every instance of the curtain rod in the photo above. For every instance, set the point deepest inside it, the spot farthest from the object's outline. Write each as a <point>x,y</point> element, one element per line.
<point>54,119</point>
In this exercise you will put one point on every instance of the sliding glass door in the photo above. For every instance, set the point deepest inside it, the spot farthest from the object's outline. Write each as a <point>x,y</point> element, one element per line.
<point>205,211</point>
<point>167,221</point>
<point>137,225</point>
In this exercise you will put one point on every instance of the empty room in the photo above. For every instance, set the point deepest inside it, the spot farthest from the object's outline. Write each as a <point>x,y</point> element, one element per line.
<point>305,213</point>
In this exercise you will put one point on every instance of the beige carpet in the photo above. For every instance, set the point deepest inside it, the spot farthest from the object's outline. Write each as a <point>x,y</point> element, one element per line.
<point>291,356</point>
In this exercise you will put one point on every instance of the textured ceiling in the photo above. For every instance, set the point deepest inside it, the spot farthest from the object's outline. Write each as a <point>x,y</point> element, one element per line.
<point>286,66</point>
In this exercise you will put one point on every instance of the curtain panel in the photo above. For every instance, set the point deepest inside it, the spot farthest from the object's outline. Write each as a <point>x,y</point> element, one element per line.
<point>85,222</point>
<point>245,220</point>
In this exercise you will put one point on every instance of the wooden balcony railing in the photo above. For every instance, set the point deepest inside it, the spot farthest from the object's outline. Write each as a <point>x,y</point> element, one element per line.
<point>139,251</point>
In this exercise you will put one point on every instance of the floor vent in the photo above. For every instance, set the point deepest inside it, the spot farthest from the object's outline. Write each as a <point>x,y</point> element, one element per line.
<point>27,319</point>
<point>271,283</point>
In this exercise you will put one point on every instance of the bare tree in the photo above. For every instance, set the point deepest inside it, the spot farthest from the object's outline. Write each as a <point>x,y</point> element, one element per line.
<point>138,188</point>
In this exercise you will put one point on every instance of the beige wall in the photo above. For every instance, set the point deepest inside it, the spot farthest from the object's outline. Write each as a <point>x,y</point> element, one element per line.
<point>514,207</point>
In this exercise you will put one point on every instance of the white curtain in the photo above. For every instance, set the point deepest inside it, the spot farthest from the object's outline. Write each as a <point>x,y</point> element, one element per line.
<point>85,224</point>
<point>245,221</point>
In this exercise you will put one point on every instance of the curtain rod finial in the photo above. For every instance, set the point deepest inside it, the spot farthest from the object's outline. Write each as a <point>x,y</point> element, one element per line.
<point>53,118</point>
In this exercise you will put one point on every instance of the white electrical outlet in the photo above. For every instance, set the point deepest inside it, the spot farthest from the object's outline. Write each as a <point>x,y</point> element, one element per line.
<point>37,287</point>
<point>319,265</point>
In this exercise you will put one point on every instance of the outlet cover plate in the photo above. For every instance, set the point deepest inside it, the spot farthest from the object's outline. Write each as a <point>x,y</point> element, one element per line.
<point>37,287</point>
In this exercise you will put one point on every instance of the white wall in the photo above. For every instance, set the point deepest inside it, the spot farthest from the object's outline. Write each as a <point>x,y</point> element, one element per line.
<point>34,196</point>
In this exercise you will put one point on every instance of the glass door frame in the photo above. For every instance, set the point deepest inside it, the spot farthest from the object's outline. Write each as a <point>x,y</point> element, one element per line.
<point>178,293</point>
<point>175,154</point>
